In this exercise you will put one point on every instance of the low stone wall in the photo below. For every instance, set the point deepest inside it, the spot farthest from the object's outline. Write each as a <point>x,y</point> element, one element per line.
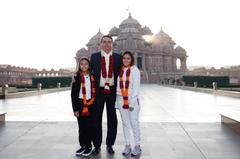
<point>31,93</point>
<point>231,119</point>
<point>208,90</point>
<point>2,116</point>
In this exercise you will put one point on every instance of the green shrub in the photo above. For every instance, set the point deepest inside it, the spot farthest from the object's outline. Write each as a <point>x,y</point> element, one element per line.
<point>206,81</point>
<point>51,82</point>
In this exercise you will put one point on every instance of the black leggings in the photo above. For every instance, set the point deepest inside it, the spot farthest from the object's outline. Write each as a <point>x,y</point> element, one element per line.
<point>85,128</point>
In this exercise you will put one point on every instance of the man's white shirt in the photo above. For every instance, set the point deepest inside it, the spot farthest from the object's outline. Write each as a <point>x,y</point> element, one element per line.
<point>102,80</point>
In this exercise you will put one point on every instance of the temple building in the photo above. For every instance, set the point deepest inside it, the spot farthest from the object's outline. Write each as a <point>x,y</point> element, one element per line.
<point>157,58</point>
<point>15,75</point>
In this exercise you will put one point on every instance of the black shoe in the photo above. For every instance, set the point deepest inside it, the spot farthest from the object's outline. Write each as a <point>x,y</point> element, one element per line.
<point>87,152</point>
<point>80,151</point>
<point>96,150</point>
<point>110,150</point>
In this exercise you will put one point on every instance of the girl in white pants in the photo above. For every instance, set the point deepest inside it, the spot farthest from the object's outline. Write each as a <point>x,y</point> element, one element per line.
<point>128,102</point>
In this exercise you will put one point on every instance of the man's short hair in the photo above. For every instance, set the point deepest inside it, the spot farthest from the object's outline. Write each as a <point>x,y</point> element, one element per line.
<point>107,36</point>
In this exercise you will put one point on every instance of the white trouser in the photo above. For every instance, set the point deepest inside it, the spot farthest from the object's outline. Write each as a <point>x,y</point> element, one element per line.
<point>130,120</point>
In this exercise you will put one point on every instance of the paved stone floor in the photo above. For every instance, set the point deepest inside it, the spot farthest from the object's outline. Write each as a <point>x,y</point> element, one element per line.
<point>175,124</point>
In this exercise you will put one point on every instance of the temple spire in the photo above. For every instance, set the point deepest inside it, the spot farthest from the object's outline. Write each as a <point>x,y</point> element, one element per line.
<point>161,29</point>
<point>129,12</point>
<point>130,15</point>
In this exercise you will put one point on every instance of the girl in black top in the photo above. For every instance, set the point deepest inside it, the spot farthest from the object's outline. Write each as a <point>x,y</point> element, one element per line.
<point>83,95</point>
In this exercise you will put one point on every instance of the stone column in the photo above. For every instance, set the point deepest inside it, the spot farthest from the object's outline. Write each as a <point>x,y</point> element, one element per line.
<point>143,62</point>
<point>214,85</point>
<point>195,84</point>
<point>58,85</point>
<point>183,64</point>
<point>161,63</point>
<point>183,83</point>
<point>5,89</point>
<point>39,86</point>
<point>174,64</point>
<point>135,55</point>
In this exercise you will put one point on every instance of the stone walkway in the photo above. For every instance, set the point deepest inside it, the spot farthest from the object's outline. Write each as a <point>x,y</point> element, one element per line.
<point>175,124</point>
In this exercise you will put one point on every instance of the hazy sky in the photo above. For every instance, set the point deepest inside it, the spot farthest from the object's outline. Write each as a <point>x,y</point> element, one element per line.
<point>47,33</point>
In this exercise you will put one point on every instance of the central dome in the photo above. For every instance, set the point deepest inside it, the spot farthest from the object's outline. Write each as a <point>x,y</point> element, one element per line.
<point>130,22</point>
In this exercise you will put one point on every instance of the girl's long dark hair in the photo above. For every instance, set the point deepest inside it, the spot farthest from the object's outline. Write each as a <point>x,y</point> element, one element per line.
<point>78,69</point>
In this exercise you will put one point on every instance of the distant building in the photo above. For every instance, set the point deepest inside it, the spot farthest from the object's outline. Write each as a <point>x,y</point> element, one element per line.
<point>157,59</point>
<point>13,75</point>
<point>233,72</point>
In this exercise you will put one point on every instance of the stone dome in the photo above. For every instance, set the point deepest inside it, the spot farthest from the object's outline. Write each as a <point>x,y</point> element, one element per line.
<point>114,31</point>
<point>162,38</point>
<point>80,53</point>
<point>133,32</point>
<point>95,39</point>
<point>130,22</point>
<point>179,49</point>
<point>146,31</point>
<point>129,29</point>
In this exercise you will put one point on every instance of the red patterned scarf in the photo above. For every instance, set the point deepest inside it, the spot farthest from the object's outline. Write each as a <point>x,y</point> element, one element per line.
<point>106,75</point>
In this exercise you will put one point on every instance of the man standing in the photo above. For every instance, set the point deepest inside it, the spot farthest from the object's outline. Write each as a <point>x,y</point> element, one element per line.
<point>105,66</point>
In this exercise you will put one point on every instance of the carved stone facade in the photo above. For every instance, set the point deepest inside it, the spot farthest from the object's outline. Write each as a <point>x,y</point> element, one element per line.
<point>13,75</point>
<point>157,59</point>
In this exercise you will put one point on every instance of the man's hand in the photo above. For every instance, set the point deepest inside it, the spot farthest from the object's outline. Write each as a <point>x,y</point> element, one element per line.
<point>76,114</point>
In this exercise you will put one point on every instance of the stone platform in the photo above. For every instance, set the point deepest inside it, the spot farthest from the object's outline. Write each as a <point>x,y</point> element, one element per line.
<point>175,124</point>
<point>50,140</point>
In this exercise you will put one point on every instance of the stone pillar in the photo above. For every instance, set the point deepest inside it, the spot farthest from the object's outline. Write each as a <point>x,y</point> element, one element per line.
<point>5,89</point>
<point>135,55</point>
<point>58,85</point>
<point>161,63</point>
<point>143,62</point>
<point>164,64</point>
<point>39,86</point>
<point>174,64</point>
<point>195,84</point>
<point>183,64</point>
<point>183,83</point>
<point>214,85</point>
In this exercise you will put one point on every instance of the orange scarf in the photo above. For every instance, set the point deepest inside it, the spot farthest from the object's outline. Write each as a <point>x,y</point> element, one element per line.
<point>85,111</point>
<point>124,90</point>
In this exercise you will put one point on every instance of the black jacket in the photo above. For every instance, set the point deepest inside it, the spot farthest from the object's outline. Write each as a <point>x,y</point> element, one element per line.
<point>76,101</point>
<point>76,83</point>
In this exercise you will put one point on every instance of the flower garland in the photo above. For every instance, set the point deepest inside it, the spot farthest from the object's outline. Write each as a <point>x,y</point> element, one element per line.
<point>106,75</point>
<point>124,91</point>
<point>85,111</point>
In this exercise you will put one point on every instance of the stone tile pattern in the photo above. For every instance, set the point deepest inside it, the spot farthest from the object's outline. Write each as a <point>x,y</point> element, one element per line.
<point>165,140</point>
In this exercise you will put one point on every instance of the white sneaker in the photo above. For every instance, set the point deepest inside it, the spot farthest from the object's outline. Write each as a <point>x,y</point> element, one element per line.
<point>127,150</point>
<point>136,151</point>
